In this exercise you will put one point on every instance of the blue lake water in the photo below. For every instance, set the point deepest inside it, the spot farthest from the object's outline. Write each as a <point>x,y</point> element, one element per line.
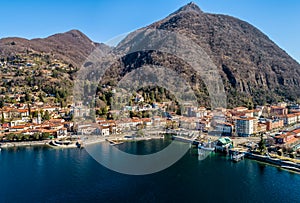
<point>48,175</point>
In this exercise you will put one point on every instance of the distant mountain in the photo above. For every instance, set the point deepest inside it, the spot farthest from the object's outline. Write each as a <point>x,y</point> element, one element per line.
<point>72,46</point>
<point>253,68</point>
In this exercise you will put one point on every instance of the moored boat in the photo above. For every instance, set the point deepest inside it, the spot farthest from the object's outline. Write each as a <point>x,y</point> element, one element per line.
<point>237,157</point>
<point>206,146</point>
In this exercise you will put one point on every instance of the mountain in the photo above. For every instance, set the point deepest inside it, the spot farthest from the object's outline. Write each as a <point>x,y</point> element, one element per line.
<point>254,70</point>
<point>72,47</point>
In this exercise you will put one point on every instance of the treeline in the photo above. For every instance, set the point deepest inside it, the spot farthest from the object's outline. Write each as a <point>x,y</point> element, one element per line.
<point>26,137</point>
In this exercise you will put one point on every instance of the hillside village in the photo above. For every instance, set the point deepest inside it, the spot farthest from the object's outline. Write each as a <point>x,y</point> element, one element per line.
<point>38,121</point>
<point>36,104</point>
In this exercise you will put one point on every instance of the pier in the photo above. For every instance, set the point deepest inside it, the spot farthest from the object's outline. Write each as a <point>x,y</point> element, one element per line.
<point>275,161</point>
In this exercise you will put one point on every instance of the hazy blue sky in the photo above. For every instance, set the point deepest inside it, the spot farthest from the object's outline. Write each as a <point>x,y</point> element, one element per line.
<point>102,20</point>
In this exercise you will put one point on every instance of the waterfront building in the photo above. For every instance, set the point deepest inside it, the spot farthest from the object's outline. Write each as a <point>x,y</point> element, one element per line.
<point>225,128</point>
<point>224,144</point>
<point>274,124</point>
<point>104,130</point>
<point>246,126</point>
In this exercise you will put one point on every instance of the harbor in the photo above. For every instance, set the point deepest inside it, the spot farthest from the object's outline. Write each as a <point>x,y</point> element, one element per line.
<point>205,146</point>
<point>225,145</point>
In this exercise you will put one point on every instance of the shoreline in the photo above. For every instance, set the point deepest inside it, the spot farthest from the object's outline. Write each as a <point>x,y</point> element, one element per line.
<point>86,142</point>
<point>277,162</point>
<point>92,140</point>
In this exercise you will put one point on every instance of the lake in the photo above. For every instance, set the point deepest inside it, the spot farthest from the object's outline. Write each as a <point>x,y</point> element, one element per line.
<point>41,174</point>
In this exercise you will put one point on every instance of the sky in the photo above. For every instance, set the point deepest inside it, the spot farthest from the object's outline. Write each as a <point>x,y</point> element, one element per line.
<point>102,20</point>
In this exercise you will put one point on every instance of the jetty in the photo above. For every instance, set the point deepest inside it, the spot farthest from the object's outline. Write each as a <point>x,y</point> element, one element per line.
<point>114,142</point>
<point>275,161</point>
<point>189,139</point>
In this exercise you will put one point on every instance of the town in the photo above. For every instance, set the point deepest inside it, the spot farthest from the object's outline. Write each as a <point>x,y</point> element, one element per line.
<point>36,106</point>
<point>39,121</point>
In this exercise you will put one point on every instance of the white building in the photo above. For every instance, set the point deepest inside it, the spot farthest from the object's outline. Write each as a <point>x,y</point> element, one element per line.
<point>246,127</point>
<point>290,119</point>
<point>104,131</point>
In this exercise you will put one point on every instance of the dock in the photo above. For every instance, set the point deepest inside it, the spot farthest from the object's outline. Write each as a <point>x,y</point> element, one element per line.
<point>114,142</point>
<point>275,161</point>
<point>185,139</point>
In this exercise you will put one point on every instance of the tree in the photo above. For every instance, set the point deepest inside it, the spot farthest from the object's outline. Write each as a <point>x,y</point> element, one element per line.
<point>55,74</point>
<point>26,137</point>
<point>46,115</point>
<point>292,155</point>
<point>262,144</point>
<point>35,114</point>
<point>27,97</point>
<point>1,103</point>
<point>36,136</point>
<point>41,97</point>
<point>71,117</point>
<point>98,112</point>
<point>280,152</point>
<point>10,136</point>
<point>2,118</point>
<point>104,110</point>
<point>131,114</point>
<point>45,135</point>
<point>178,111</point>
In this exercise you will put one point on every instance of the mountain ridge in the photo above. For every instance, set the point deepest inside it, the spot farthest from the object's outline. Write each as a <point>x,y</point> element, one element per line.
<point>253,68</point>
<point>72,46</point>
<point>248,61</point>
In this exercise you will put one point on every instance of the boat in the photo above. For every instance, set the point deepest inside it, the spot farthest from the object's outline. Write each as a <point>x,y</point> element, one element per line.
<point>203,153</point>
<point>237,157</point>
<point>206,147</point>
<point>204,150</point>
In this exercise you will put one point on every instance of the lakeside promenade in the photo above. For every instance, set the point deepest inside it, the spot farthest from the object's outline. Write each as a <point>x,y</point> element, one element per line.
<point>86,140</point>
<point>94,139</point>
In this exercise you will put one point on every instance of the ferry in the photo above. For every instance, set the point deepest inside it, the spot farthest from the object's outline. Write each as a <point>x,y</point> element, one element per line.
<point>206,146</point>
